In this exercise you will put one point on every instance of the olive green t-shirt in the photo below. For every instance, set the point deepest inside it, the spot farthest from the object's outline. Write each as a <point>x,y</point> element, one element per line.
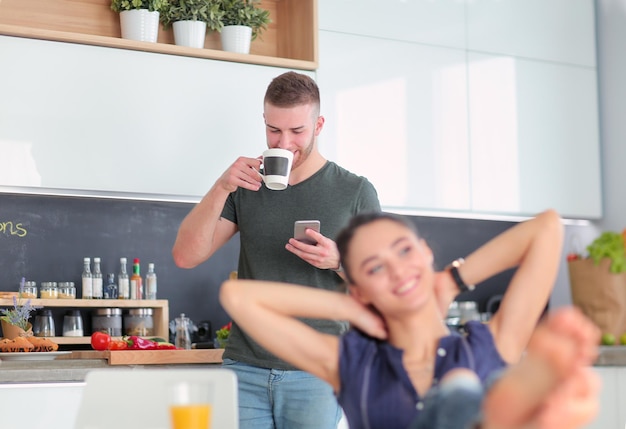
<point>266,219</point>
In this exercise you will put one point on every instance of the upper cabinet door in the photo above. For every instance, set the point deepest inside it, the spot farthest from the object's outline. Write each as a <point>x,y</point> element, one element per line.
<point>440,22</point>
<point>550,30</point>
<point>112,120</point>
<point>484,106</point>
<point>396,112</point>
<point>534,137</point>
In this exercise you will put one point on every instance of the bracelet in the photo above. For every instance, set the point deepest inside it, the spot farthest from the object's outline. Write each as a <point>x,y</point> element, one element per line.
<point>454,271</point>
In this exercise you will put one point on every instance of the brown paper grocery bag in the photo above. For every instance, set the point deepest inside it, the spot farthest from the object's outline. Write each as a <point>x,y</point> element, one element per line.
<point>600,294</point>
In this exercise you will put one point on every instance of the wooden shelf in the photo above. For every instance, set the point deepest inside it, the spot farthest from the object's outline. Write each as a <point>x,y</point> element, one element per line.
<point>93,303</point>
<point>160,312</point>
<point>290,41</point>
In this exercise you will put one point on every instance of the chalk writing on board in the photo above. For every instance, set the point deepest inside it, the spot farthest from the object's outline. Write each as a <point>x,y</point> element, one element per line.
<point>12,228</point>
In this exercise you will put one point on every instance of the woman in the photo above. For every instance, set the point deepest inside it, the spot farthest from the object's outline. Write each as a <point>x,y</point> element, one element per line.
<point>401,348</point>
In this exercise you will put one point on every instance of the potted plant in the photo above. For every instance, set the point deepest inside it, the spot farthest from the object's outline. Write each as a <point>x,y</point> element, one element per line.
<point>244,21</point>
<point>190,20</point>
<point>14,320</point>
<point>139,19</point>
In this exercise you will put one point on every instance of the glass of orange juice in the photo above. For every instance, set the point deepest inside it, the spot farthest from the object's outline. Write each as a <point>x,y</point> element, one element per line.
<point>191,405</point>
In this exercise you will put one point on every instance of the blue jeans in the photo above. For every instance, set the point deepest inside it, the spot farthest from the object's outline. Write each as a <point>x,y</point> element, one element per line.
<point>455,404</point>
<point>279,399</point>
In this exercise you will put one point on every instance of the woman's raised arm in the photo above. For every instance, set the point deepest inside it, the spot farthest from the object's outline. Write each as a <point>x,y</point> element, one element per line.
<point>268,312</point>
<point>534,247</point>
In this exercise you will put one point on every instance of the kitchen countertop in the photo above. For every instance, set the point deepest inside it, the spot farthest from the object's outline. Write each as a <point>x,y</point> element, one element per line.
<point>68,369</point>
<point>48,371</point>
<point>611,356</point>
<point>74,368</point>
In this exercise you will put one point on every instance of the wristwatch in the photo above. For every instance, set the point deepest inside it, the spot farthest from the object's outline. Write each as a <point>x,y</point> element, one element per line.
<point>456,276</point>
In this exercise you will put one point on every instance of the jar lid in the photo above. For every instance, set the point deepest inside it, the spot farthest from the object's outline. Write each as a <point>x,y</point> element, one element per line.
<point>75,313</point>
<point>108,312</point>
<point>66,284</point>
<point>140,312</point>
<point>467,305</point>
<point>30,283</point>
<point>49,284</point>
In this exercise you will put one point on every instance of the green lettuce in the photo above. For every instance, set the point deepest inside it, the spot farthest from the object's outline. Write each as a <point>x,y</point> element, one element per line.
<point>609,245</point>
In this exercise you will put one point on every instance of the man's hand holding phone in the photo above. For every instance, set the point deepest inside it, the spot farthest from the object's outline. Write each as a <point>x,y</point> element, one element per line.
<point>312,246</point>
<point>300,227</point>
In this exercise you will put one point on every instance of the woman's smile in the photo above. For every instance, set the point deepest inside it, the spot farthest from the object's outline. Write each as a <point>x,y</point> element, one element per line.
<point>406,287</point>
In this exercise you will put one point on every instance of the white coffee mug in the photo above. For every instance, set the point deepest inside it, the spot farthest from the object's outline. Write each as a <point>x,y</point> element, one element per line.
<point>276,168</point>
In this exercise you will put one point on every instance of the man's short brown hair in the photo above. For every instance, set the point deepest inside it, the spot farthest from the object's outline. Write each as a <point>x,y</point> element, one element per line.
<point>292,89</point>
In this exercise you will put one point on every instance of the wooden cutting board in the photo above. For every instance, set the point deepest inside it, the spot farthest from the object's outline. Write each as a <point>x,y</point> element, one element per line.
<point>149,357</point>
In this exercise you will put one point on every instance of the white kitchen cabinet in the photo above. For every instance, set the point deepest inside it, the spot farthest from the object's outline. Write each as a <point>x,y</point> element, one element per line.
<point>107,120</point>
<point>551,30</point>
<point>56,404</point>
<point>612,414</point>
<point>534,137</point>
<point>396,112</point>
<point>504,123</point>
<point>440,22</point>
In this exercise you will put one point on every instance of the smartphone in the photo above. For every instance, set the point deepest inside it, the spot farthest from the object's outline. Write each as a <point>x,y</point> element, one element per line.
<point>300,226</point>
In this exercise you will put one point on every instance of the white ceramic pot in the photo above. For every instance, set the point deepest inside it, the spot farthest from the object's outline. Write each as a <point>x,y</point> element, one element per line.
<point>236,38</point>
<point>140,24</point>
<point>189,33</point>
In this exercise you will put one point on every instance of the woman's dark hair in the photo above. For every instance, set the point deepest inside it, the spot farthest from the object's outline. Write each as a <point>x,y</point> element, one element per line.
<point>344,238</point>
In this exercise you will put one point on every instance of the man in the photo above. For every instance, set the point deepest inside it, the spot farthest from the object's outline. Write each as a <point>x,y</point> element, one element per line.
<point>272,393</point>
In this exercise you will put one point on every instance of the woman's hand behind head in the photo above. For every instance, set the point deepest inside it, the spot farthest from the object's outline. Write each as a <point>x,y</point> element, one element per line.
<point>368,320</point>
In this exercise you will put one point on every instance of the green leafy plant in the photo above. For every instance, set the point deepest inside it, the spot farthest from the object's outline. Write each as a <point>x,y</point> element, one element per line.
<point>223,333</point>
<point>245,12</point>
<point>609,245</point>
<point>208,11</point>
<point>20,313</point>
<point>151,5</point>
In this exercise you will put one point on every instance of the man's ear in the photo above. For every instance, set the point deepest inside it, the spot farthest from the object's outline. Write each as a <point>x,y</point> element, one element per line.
<point>319,124</point>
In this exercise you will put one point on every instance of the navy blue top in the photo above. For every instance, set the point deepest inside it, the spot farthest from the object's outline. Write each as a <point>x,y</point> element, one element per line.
<point>377,392</point>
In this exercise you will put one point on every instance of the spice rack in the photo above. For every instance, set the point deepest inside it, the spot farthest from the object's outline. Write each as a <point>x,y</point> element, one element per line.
<point>290,40</point>
<point>160,309</point>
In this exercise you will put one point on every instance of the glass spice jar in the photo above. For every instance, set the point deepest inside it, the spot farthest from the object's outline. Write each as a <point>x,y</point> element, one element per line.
<point>139,321</point>
<point>44,324</point>
<point>108,320</point>
<point>73,324</point>
<point>49,290</point>
<point>29,290</point>
<point>67,290</point>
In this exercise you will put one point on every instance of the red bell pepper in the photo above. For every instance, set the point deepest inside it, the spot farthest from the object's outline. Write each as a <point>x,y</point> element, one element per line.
<point>138,343</point>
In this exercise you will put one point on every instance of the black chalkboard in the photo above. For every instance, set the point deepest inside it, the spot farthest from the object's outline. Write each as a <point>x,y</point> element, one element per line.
<point>45,238</point>
<point>452,238</point>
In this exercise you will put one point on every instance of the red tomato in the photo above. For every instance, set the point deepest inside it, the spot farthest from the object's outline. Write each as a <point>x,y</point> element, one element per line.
<point>100,340</point>
<point>572,257</point>
<point>118,345</point>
